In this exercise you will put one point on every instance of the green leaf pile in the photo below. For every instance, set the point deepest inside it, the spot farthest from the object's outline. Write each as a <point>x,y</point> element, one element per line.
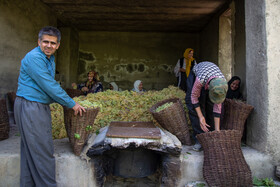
<point>116,106</point>
<point>164,106</point>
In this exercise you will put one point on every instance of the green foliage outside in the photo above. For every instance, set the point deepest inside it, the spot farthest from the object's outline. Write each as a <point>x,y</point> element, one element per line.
<point>263,182</point>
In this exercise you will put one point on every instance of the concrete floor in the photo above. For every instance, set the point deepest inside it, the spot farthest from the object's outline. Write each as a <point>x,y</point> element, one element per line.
<point>72,171</point>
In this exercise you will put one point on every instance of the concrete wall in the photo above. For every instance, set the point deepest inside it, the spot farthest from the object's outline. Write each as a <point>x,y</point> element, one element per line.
<point>125,57</point>
<point>273,75</point>
<point>262,74</point>
<point>20,23</point>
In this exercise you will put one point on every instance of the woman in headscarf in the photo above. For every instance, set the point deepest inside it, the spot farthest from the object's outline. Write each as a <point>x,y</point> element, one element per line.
<point>234,88</point>
<point>92,85</point>
<point>114,86</point>
<point>207,89</point>
<point>183,68</point>
<point>138,86</point>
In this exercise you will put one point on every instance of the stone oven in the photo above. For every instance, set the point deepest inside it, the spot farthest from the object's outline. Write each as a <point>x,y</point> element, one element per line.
<point>130,161</point>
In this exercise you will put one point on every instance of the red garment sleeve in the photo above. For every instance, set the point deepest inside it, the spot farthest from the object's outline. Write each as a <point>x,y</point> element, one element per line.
<point>217,108</point>
<point>197,86</point>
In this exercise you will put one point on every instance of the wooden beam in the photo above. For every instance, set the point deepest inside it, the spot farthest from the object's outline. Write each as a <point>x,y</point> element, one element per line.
<point>119,16</point>
<point>142,3</point>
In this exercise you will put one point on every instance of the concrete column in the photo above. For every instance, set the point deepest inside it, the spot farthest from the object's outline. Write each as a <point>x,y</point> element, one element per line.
<point>67,56</point>
<point>263,74</point>
<point>273,69</point>
<point>226,59</point>
<point>239,67</point>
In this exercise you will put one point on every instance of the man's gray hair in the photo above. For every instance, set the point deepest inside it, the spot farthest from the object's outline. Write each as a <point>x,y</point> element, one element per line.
<point>51,31</point>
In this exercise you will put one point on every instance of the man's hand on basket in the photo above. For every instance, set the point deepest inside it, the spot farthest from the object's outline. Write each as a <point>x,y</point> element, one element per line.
<point>78,109</point>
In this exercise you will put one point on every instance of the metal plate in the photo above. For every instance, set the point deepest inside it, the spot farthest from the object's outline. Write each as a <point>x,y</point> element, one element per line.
<point>133,130</point>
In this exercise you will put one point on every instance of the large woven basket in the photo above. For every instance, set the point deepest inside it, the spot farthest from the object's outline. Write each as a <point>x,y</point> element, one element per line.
<point>76,124</point>
<point>4,120</point>
<point>74,92</point>
<point>12,97</point>
<point>235,114</point>
<point>173,119</point>
<point>224,163</point>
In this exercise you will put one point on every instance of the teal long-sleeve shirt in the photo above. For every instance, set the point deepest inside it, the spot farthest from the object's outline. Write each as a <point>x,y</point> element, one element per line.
<point>36,80</point>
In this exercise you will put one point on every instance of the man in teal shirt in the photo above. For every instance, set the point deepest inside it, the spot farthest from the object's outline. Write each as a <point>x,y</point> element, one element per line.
<point>37,88</point>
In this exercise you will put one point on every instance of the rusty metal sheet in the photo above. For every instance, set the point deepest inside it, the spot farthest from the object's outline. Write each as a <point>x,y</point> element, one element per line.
<point>133,130</point>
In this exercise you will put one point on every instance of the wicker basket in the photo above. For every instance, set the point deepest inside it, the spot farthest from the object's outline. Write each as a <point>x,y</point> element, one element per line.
<point>4,117</point>
<point>173,119</point>
<point>12,97</point>
<point>74,92</point>
<point>76,124</point>
<point>224,163</point>
<point>235,115</point>
<point>4,131</point>
<point>4,120</point>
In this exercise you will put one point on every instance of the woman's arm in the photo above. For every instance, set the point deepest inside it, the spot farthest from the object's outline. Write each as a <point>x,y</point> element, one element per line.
<point>217,123</point>
<point>204,126</point>
<point>217,110</point>
<point>196,89</point>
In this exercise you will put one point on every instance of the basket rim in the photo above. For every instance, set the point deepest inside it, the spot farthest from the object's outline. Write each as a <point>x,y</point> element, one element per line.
<point>131,122</point>
<point>239,102</point>
<point>222,131</point>
<point>87,109</point>
<point>162,102</point>
<point>74,92</point>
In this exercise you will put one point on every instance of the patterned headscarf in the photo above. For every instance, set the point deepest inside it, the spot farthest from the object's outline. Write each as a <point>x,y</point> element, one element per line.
<point>188,60</point>
<point>89,84</point>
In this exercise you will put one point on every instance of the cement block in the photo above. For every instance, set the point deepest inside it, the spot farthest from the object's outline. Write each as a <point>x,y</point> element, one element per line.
<point>72,171</point>
<point>9,170</point>
<point>260,164</point>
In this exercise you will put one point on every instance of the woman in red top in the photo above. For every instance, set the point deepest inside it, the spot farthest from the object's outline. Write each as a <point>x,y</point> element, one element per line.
<point>207,88</point>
